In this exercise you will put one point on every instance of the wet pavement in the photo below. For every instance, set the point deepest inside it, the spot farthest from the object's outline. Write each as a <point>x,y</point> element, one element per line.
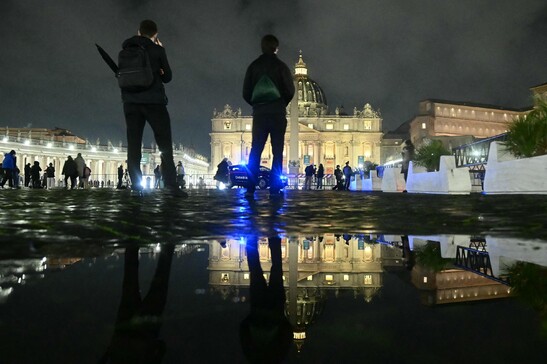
<point>99,275</point>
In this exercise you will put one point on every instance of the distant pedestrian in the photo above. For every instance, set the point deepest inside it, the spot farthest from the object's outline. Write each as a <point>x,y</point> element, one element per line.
<point>70,170</point>
<point>27,174</point>
<point>201,183</point>
<point>408,155</point>
<point>180,175</point>
<point>339,176</point>
<point>347,175</point>
<point>319,175</point>
<point>16,173</point>
<point>80,164</point>
<point>308,171</point>
<point>85,177</point>
<point>268,87</point>
<point>120,177</point>
<point>157,176</point>
<point>50,173</point>
<point>35,175</point>
<point>223,173</point>
<point>8,165</point>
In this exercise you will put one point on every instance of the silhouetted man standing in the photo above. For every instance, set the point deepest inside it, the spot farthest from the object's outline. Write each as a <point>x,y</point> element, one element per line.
<point>268,87</point>
<point>150,105</point>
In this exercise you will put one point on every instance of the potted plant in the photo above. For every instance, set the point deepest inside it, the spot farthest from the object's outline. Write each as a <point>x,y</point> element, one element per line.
<point>527,135</point>
<point>428,155</point>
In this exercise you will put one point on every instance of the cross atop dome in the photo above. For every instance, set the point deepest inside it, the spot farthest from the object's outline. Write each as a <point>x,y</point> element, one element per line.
<point>300,68</point>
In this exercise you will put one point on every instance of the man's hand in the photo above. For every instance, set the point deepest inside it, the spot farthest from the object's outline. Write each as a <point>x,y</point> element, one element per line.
<point>158,42</point>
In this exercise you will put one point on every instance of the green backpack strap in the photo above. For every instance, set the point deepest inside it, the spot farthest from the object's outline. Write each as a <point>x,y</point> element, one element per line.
<point>265,91</point>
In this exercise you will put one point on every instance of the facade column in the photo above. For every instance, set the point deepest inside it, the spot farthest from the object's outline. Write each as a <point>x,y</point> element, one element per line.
<point>315,153</point>
<point>319,151</point>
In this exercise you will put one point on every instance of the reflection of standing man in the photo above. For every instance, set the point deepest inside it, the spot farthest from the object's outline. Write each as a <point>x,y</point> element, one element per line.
<point>266,334</point>
<point>268,87</point>
<point>138,323</point>
<point>150,105</point>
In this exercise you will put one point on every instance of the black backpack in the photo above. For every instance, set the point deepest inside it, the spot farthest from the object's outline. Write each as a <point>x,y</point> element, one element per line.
<point>135,72</point>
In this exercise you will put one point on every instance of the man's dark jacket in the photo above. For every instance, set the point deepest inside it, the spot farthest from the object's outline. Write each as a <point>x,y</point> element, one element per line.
<point>155,94</point>
<point>279,73</point>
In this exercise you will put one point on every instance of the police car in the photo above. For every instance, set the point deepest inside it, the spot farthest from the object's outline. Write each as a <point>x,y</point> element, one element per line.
<point>239,177</point>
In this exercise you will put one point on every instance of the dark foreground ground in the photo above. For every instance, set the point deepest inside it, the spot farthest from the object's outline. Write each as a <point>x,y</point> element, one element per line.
<point>73,263</point>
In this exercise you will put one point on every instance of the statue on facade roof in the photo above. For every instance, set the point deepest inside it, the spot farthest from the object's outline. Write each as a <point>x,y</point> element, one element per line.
<point>227,113</point>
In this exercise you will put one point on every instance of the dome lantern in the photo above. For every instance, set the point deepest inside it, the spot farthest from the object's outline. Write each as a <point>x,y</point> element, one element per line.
<point>300,67</point>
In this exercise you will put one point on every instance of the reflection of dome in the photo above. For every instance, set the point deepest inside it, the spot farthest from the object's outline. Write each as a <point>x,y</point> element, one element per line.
<point>311,98</point>
<point>310,303</point>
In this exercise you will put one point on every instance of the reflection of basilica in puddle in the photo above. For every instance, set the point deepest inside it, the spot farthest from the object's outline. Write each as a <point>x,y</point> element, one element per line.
<point>459,268</point>
<point>444,268</point>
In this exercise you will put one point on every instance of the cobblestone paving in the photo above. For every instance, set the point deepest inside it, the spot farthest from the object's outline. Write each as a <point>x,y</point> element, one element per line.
<point>67,219</point>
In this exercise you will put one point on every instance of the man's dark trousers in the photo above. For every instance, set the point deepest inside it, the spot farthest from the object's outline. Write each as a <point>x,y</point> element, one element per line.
<point>274,125</point>
<point>136,116</point>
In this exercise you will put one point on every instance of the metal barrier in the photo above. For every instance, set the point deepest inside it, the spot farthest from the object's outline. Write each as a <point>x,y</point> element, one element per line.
<point>475,156</point>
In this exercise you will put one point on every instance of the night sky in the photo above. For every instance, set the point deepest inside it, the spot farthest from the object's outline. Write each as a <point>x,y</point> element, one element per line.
<point>391,54</point>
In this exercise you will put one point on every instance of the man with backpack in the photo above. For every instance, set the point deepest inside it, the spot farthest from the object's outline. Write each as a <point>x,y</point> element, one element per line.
<point>143,69</point>
<point>268,87</point>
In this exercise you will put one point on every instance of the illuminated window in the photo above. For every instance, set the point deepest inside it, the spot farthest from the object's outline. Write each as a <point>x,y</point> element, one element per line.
<point>346,126</point>
<point>310,278</point>
<point>329,126</point>
<point>346,277</point>
<point>310,125</point>
<point>247,126</point>
<point>425,279</point>
<point>423,126</point>
<point>245,275</point>
<point>329,277</point>
<point>368,279</point>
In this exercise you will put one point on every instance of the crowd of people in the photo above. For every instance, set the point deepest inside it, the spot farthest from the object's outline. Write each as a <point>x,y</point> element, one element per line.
<point>74,174</point>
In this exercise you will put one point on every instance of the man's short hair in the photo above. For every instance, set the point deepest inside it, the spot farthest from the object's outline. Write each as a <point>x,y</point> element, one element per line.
<point>148,28</point>
<point>269,44</point>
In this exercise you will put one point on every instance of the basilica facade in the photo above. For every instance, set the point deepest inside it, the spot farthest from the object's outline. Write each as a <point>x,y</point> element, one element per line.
<point>330,139</point>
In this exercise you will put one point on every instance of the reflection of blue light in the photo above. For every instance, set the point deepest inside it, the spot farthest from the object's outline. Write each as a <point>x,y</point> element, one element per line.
<point>283,177</point>
<point>242,240</point>
<point>221,186</point>
<point>243,163</point>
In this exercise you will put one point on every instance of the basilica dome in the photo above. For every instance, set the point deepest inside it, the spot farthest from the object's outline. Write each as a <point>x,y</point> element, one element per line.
<point>311,98</point>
